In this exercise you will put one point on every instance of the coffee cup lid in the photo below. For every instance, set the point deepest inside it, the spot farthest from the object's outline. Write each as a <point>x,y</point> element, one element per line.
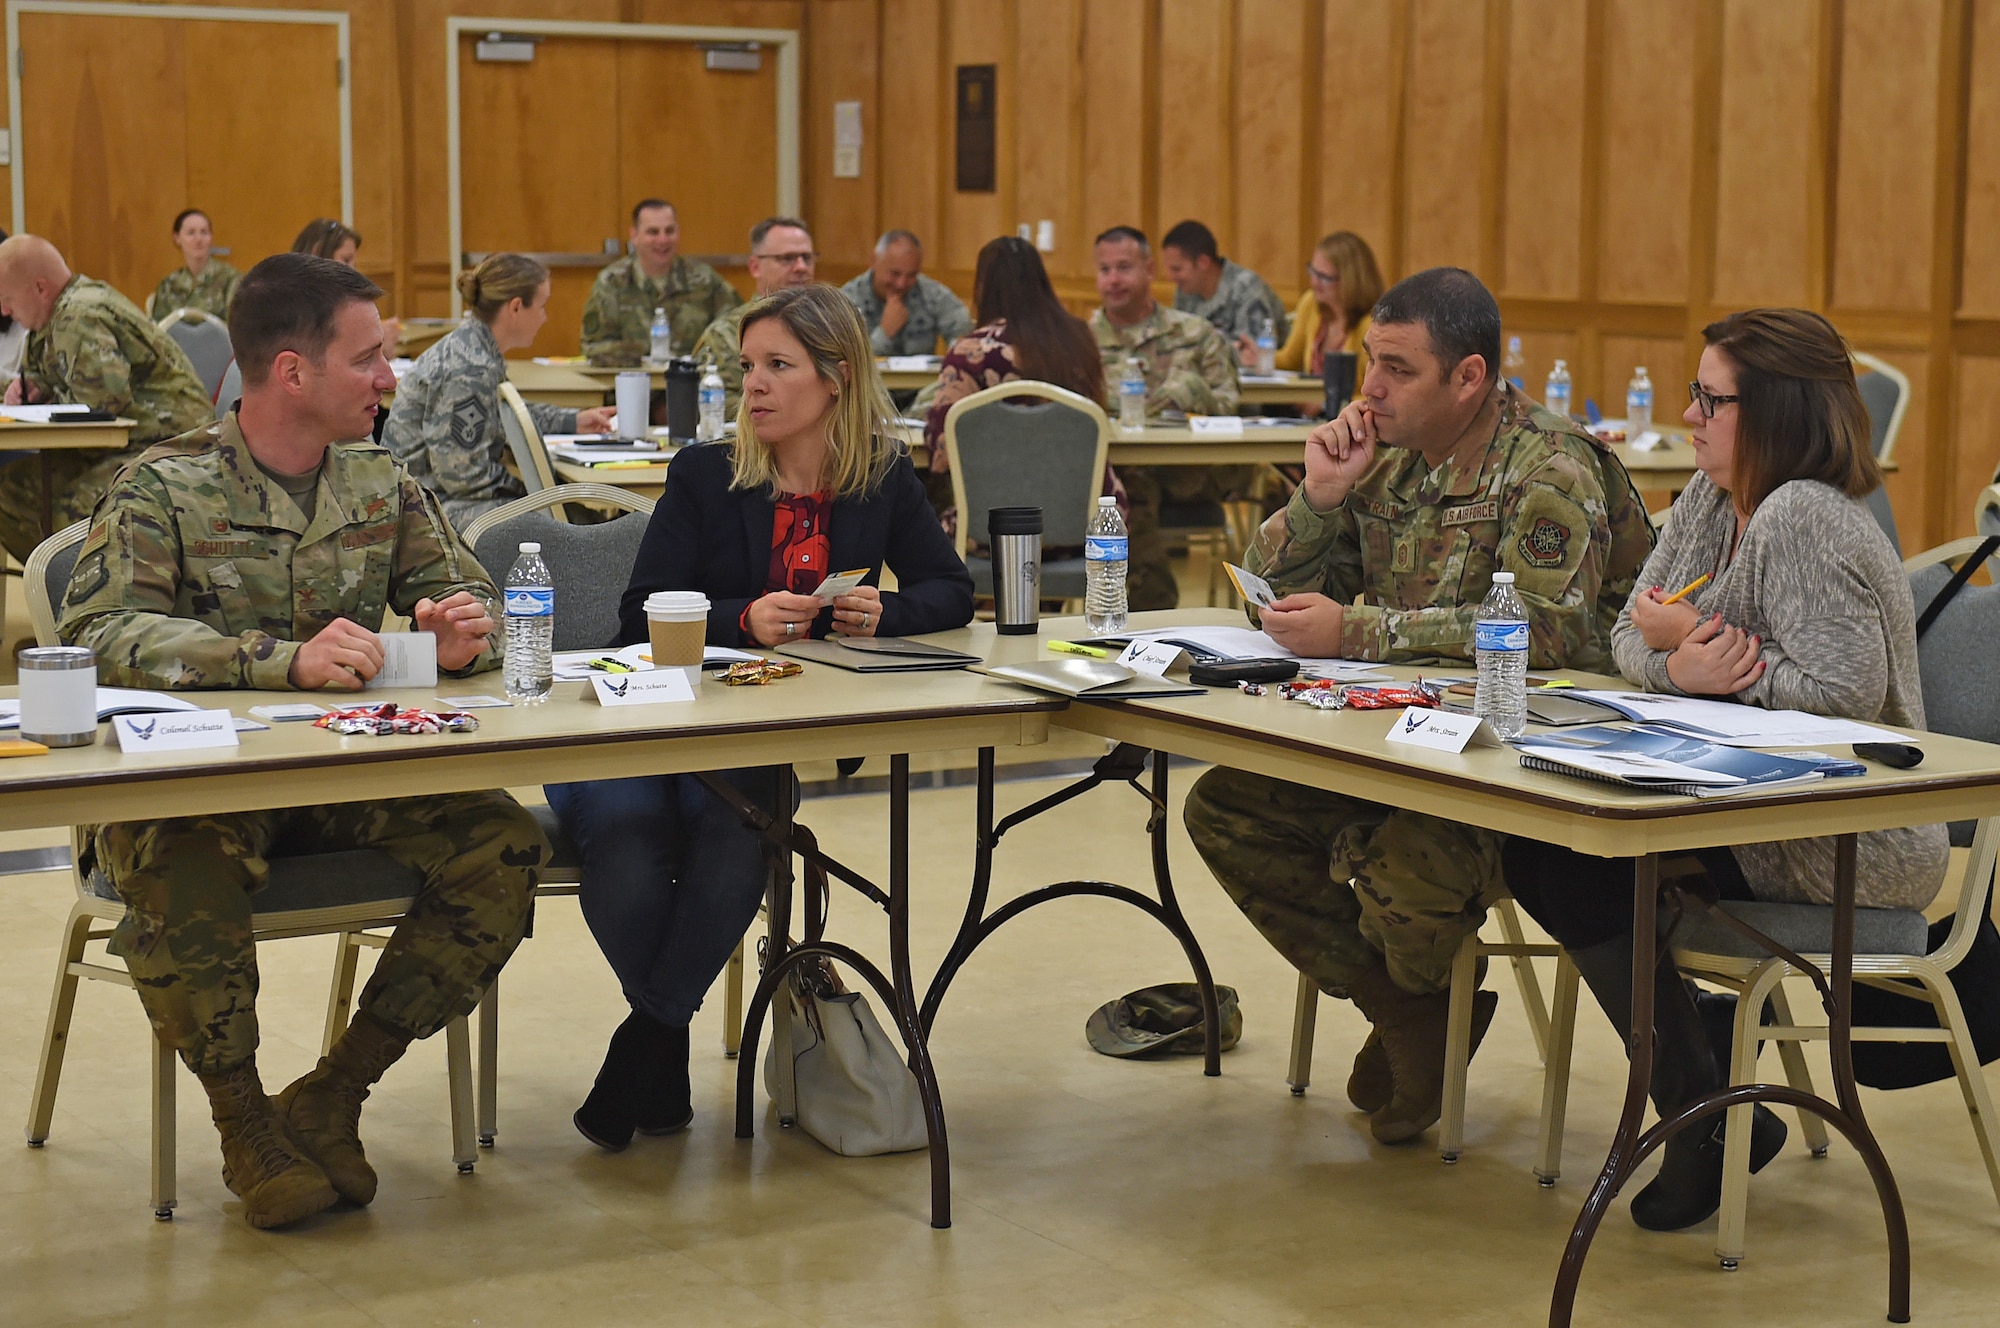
<point>676,601</point>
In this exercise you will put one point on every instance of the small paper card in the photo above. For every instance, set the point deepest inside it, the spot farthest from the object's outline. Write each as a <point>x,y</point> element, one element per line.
<point>475,702</point>
<point>1220,426</point>
<point>409,659</point>
<point>1442,730</point>
<point>175,731</point>
<point>1152,658</point>
<point>652,687</point>
<point>1253,588</point>
<point>839,584</point>
<point>912,363</point>
<point>292,713</point>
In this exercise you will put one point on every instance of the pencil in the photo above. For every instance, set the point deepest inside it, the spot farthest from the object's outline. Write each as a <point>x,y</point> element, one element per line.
<point>1685,591</point>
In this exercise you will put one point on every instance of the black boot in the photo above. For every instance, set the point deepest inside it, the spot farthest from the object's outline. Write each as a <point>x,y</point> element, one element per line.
<point>611,1112</point>
<point>1688,1188</point>
<point>665,1102</point>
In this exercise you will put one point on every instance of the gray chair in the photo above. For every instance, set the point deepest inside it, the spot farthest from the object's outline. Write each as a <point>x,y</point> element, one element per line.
<point>1028,444</point>
<point>230,390</point>
<point>1885,390</point>
<point>343,893</point>
<point>1877,503</point>
<point>205,338</point>
<point>1892,946</point>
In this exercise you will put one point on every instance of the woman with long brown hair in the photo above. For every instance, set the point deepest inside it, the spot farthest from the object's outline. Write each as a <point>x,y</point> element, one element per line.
<point>1342,285</point>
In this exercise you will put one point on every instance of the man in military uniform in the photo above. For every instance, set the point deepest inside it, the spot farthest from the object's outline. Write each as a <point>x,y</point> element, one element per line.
<point>1188,368</point>
<point>1207,285</point>
<point>262,551</point>
<point>1414,496</point>
<point>781,255</point>
<point>90,346</point>
<point>907,313</point>
<point>618,316</point>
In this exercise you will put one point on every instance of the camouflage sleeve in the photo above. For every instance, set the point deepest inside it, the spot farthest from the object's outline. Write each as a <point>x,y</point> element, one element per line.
<point>1299,551</point>
<point>719,345</point>
<point>229,286</point>
<point>433,563</point>
<point>722,297</point>
<point>35,362</point>
<point>551,419</point>
<point>953,320</point>
<point>1202,383</point>
<point>1552,540</point>
<point>605,340</point>
<point>121,598</point>
<point>91,365</point>
<point>163,301</point>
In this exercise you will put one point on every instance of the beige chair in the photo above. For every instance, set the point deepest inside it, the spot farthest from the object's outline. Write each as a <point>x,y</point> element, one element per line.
<point>1986,511</point>
<point>308,895</point>
<point>524,440</point>
<point>1885,390</point>
<point>1552,1042</point>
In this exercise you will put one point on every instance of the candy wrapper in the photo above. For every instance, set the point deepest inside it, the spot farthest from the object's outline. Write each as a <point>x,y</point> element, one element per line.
<point>381,720</point>
<point>1323,695</point>
<point>757,672</point>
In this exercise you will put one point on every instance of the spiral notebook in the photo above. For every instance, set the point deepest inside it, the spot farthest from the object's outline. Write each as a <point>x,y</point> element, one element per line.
<point>1655,762</point>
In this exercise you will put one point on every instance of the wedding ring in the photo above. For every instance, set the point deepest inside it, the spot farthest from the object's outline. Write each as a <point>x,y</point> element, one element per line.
<point>790,628</point>
<point>864,620</point>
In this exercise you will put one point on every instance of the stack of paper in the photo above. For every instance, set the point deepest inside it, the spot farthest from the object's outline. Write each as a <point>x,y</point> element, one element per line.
<point>1235,643</point>
<point>1735,725</point>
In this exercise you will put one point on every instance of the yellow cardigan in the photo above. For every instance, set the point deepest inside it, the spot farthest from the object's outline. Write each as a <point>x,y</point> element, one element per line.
<point>1305,331</point>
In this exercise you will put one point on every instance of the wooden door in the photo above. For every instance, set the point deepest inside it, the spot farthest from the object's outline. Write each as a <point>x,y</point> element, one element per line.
<point>125,121</point>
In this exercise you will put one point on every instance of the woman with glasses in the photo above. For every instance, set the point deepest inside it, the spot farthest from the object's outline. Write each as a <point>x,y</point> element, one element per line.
<point>1343,284</point>
<point>1805,607</point>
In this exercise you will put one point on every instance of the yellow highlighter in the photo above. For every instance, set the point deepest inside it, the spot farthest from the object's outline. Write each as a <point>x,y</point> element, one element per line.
<point>1072,648</point>
<point>1685,590</point>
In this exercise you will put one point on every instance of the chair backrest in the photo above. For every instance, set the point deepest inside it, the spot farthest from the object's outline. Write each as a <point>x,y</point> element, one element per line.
<point>1986,511</point>
<point>46,579</point>
<point>1047,452</point>
<point>1885,390</point>
<point>229,390</point>
<point>531,455</point>
<point>1877,503</point>
<point>590,565</point>
<point>205,338</point>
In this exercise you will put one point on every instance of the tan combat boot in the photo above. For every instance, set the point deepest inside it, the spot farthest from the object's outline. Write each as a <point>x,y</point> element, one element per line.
<point>323,1106</point>
<point>1412,1031</point>
<point>261,1162</point>
<point>1371,1085</point>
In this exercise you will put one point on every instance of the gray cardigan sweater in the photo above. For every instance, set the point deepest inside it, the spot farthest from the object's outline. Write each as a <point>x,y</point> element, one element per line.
<point>1817,579</point>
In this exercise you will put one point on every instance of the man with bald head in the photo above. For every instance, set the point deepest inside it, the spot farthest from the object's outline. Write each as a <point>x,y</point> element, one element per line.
<point>90,346</point>
<point>907,313</point>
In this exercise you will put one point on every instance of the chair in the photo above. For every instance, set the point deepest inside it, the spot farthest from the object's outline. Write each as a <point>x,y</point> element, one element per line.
<point>1892,946</point>
<point>1208,522</point>
<point>1877,503</point>
<point>1885,390</point>
<point>589,565</point>
<point>308,895</point>
<point>1553,1044</point>
<point>531,455</point>
<point>230,389</point>
<point>1028,444</point>
<point>205,338</point>
<point>1986,511</point>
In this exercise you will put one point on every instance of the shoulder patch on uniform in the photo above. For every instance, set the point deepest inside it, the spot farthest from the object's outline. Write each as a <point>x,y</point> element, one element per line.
<point>98,536</point>
<point>355,539</point>
<point>1545,544</point>
<point>1466,514</point>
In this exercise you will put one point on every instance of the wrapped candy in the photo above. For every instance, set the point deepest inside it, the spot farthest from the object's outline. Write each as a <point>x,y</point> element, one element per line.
<point>757,672</point>
<point>388,717</point>
<point>1364,696</point>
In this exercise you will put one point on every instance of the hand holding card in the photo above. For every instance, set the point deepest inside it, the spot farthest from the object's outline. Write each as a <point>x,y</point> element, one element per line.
<point>839,584</point>
<point>1254,589</point>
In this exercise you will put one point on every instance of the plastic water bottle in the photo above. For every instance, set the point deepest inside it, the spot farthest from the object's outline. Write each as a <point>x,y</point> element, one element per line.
<point>1638,405</point>
<point>1132,398</point>
<point>1106,549</point>
<point>531,626</point>
<point>1267,346</point>
<point>1500,644</point>
<point>1514,366</point>
<point>1556,395</point>
<point>710,395</point>
<point>663,338</point>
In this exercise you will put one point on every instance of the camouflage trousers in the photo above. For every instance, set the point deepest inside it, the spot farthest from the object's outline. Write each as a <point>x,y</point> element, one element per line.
<point>189,888</point>
<point>80,477</point>
<point>1337,884</point>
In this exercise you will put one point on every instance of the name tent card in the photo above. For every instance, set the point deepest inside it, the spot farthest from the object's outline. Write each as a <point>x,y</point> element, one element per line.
<point>652,687</point>
<point>178,731</point>
<point>1441,730</point>
<point>1216,426</point>
<point>1152,658</point>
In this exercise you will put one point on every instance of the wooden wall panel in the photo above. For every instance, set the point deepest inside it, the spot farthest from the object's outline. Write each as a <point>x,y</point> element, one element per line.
<point>1047,144</point>
<point>916,110</point>
<point>979,35</point>
<point>1666,364</point>
<point>1980,295</point>
<point>1979,440</point>
<point>1543,188</point>
<point>1648,109</point>
<point>1114,147</point>
<point>1444,142</point>
<point>700,137</point>
<point>1887,153</point>
<point>1542,350</point>
<point>1197,145</point>
<point>1361,109</point>
<point>1270,166</point>
<point>842,64</point>
<point>1763,229</point>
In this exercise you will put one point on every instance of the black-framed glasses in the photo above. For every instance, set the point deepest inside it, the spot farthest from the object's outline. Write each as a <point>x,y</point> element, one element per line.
<point>789,260</point>
<point>1330,278</point>
<point>1708,401</point>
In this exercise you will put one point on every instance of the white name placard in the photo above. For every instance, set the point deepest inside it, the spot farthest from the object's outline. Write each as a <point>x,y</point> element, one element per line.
<point>1152,658</point>
<point>1441,730</point>
<point>1220,426</point>
<point>175,731</point>
<point>651,687</point>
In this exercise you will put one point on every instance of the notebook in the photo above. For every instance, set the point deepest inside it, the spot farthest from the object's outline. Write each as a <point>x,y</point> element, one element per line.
<point>878,654</point>
<point>1088,679</point>
<point>1657,762</point>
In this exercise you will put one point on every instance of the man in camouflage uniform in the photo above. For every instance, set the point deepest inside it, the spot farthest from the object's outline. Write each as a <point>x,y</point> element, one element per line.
<point>1189,368</point>
<point>1372,901</point>
<point>262,551</point>
<point>781,255</point>
<point>907,313</point>
<point>1209,286</point>
<point>90,346</point>
<point>618,316</point>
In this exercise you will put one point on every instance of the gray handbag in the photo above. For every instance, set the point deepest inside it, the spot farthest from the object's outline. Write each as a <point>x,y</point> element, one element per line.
<point>831,1069</point>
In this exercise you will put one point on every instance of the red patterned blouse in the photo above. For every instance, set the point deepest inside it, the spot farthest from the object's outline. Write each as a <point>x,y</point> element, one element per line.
<point>799,546</point>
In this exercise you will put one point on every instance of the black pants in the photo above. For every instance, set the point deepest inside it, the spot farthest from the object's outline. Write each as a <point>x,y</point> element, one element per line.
<point>1582,900</point>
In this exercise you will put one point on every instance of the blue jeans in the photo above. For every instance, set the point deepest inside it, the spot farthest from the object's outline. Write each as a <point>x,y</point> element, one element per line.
<point>671,879</point>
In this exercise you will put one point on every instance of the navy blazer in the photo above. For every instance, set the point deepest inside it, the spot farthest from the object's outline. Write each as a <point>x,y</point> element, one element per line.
<point>706,536</point>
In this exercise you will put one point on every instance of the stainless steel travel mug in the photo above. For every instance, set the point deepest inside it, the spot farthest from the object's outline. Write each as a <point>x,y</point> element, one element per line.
<point>1014,535</point>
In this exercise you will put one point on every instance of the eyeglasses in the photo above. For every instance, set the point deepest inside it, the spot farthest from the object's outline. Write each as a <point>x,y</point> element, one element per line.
<point>1707,400</point>
<point>1330,278</point>
<point>789,260</point>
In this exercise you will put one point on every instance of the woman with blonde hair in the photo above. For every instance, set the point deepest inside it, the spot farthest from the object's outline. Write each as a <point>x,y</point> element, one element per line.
<point>445,424</point>
<point>814,483</point>
<point>1342,285</point>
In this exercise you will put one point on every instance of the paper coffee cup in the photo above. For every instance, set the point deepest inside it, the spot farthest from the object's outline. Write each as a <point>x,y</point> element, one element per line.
<point>677,622</point>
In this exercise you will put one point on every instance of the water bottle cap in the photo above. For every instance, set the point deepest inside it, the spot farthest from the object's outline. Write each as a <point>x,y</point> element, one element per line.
<point>1503,578</point>
<point>530,546</point>
<point>1106,500</point>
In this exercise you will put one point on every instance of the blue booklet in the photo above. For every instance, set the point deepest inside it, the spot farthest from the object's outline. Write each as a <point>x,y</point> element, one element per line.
<point>1658,762</point>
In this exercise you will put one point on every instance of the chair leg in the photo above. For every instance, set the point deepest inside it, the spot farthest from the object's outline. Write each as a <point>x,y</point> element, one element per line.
<point>340,999</point>
<point>1458,1047</point>
<point>458,1070</point>
<point>55,1039</point>
<point>1305,1014</point>
<point>489,1064</point>
<point>1971,1078</point>
<point>1735,1212</point>
<point>166,1131</point>
<point>1524,976</point>
<point>1555,1074</point>
<point>732,1004</point>
<point>1793,1055</point>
